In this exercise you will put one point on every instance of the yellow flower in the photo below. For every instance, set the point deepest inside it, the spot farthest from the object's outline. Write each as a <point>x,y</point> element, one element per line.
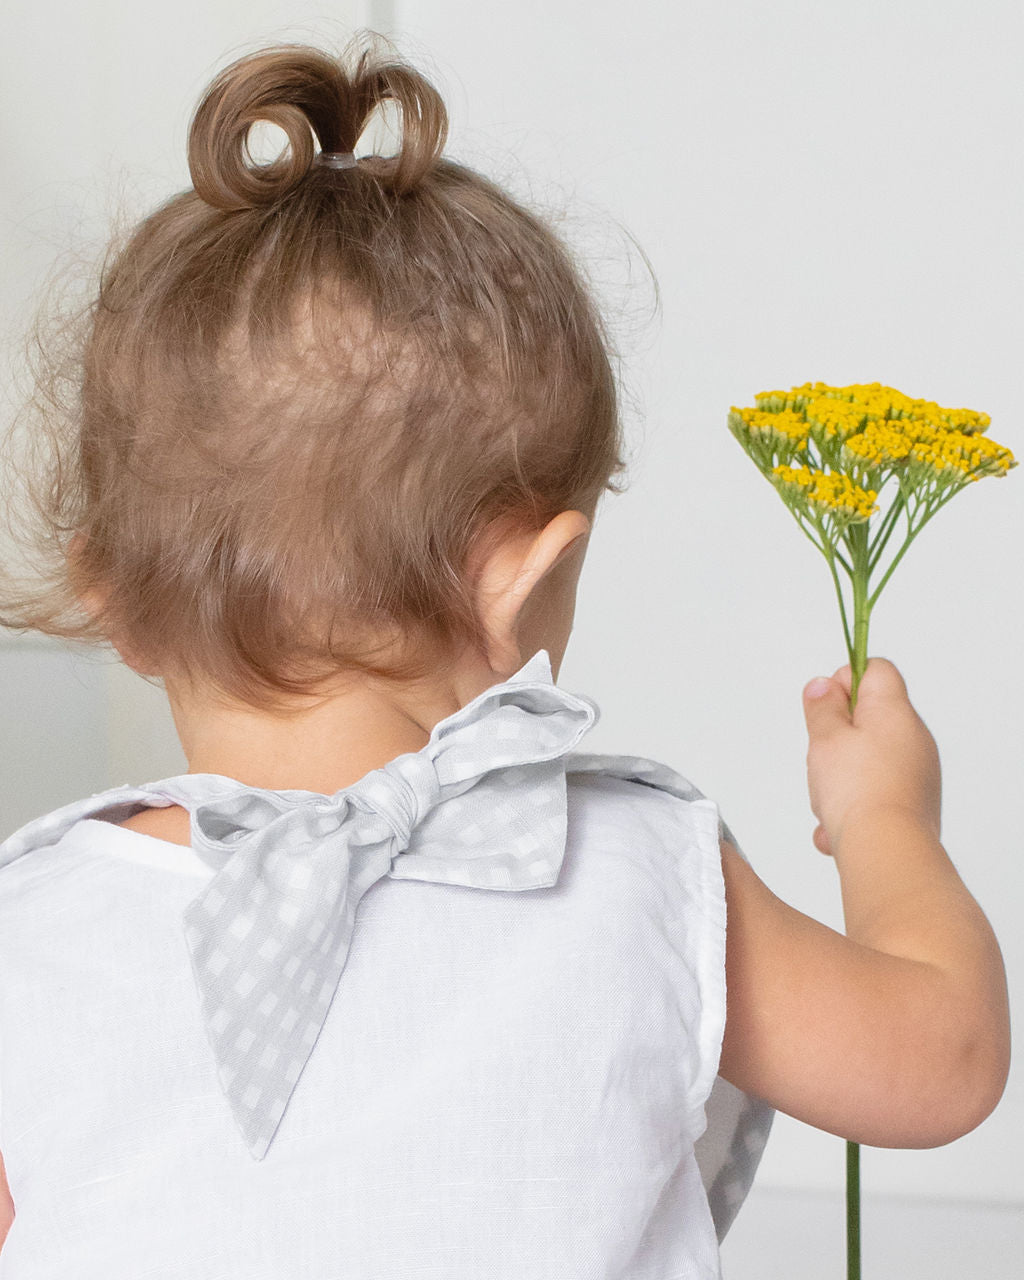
<point>957,455</point>
<point>855,440</point>
<point>871,428</point>
<point>774,401</point>
<point>966,420</point>
<point>880,444</point>
<point>831,493</point>
<point>785,427</point>
<point>838,419</point>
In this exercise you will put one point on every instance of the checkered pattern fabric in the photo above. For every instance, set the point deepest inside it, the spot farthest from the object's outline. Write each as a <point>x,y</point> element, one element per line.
<point>483,804</point>
<point>270,935</point>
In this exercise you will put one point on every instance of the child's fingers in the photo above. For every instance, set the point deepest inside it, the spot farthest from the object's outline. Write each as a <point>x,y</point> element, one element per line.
<point>878,672</point>
<point>882,679</point>
<point>826,706</point>
<point>845,677</point>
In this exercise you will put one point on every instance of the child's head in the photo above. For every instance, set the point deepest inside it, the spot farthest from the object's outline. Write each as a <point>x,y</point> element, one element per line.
<point>314,397</point>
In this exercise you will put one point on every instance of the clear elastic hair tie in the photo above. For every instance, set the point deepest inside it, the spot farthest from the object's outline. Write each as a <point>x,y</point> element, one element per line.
<point>336,159</point>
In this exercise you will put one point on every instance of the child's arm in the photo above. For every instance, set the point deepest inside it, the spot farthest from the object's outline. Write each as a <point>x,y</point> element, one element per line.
<point>896,1035</point>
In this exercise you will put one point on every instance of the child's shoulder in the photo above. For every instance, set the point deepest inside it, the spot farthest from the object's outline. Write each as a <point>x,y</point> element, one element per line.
<point>637,769</point>
<point>634,781</point>
<point>49,828</point>
<point>640,821</point>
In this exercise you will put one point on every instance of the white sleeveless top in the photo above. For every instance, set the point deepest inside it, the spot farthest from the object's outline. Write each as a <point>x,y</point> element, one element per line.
<point>502,1084</point>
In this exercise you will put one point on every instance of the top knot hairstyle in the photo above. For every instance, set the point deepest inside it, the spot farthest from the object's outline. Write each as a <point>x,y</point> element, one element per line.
<point>306,394</point>
<point>309,96</point>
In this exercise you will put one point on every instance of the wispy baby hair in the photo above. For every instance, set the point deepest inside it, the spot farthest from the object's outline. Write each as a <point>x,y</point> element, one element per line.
<point>308,393</point>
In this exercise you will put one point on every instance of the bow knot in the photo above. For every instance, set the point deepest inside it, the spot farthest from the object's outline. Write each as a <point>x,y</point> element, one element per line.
<point>483,804</point>
<point>414,791</point>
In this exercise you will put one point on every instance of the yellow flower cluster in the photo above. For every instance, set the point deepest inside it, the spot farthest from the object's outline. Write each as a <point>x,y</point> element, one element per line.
<point>949,453</point>
<point>875,401</point>
<point>965,420</point>
<point>786,427</point>
<point>871,426</point>
<point>829,451</point>
<point>834,494</point>
<point>880,444</point>
<point>837,419</point>
<point>958,454</point>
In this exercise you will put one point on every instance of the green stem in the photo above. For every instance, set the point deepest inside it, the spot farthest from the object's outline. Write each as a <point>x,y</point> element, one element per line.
<point>861,617</point>
<point>842,605</point>
<point>858,540</point>
<point>844,562</point>
<point>930,510</point>
<point>852,1211</point>
<point>810,537</point>
<point>895,561</point>
<point>912,532</point>
<point>885,529</point>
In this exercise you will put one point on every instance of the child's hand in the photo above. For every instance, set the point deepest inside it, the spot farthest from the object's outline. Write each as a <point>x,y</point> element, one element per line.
<point>882,757</point>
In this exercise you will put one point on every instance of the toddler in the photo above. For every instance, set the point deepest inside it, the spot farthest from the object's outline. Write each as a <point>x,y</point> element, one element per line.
<point>395,981</point>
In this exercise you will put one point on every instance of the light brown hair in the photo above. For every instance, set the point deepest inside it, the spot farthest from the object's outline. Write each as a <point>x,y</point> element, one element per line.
<point>308,393</point>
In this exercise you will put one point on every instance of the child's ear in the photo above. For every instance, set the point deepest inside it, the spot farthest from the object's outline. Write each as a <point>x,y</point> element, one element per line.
<point>514,572</point>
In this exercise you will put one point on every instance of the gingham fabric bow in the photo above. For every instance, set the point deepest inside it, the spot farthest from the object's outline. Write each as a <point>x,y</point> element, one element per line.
<point>483,804</point>
<point>503,830</point>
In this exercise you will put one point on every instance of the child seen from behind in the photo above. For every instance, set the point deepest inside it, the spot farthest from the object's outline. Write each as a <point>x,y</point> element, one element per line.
<point>395,980</point>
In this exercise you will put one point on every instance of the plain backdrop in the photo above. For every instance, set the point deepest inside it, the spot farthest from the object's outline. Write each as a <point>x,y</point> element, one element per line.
<point>824,192</point>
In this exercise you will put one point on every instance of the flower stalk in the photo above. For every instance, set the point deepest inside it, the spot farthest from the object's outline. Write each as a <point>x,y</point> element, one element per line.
<point>832,453</point>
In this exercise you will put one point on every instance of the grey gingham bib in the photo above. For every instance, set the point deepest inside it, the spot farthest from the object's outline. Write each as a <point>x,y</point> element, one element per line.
<point>483,804</point>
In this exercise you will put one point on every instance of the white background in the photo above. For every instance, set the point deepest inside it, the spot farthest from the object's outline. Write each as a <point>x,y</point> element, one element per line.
<point>825,191</point>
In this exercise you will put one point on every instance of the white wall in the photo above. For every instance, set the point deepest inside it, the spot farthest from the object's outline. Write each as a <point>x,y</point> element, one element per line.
<point>826,191</point>
<point>95,101</point>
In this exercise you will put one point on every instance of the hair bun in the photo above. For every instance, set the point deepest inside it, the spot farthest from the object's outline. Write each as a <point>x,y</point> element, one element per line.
<point>313,98</point>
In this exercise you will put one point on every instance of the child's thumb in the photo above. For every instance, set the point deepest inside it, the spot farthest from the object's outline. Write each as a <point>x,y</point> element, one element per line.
<point>825,705</point>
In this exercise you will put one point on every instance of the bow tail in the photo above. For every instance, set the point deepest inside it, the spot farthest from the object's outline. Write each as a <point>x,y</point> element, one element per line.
<point>262,1015</point>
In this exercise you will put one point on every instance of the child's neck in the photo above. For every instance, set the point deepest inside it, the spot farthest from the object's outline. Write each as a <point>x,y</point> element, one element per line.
<point>328,747</point>
<point>325,749</point>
